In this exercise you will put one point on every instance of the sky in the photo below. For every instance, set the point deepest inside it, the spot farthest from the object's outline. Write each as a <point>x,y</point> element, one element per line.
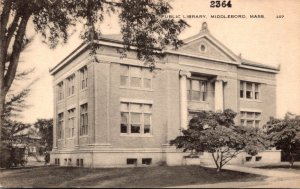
<point>269,40</point>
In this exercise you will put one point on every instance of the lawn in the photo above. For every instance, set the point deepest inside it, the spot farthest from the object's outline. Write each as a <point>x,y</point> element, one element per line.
<point>162,176</point>
<point>282,167</point>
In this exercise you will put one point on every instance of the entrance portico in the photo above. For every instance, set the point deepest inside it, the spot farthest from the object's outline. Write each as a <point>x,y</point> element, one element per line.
<point>218,96</point>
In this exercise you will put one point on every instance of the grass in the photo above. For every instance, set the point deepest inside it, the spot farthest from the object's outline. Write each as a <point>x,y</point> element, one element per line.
<point>282,167</point>
<point>138,177</point>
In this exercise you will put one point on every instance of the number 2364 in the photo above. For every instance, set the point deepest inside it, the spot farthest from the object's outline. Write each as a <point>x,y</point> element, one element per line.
<point>218,4</point>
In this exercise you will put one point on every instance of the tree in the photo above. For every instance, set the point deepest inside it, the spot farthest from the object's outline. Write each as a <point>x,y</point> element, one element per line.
<point>45,130</point>
<point>215,133</point>
<point>142,25</point>
<point>284,134</point>
<point>12,132</point>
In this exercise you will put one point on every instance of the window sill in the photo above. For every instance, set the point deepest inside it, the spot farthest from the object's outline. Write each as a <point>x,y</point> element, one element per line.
<point>71,138</point>
<point>60,101</point>
<point>196,101</point>
<point>84,136</point>
<point>82,90</point>
<point>136,135</point>
<point>72,95</point>
<point>250,100</point>
<point>59,140</point>
<point>136,88</point>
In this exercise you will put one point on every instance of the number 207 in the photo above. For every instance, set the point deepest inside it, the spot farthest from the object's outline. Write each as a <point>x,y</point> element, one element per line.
<point>219,4</point>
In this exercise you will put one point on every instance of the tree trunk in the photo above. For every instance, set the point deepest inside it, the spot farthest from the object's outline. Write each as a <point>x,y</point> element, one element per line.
<point>2,101</point>
<point>291,157</point>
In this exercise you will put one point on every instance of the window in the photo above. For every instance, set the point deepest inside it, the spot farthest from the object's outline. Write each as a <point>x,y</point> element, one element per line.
<point>71,122</point>
<point>251,119</point>
<point>83,77</point>
<point>60,91</point>
<point>71,85</point>
<point>146,161</point>
<point>248,158</point>
<point>57,161</point>
<point>135,118</point>
<point>258,158</point>
<point>79,162</point>
<point>69,161</point>
<point>84,119</point>
<point>197,89</point>
<point>249,90</point>
<point>135,77</point>
<point>131,161</point>
<point>60,125</point>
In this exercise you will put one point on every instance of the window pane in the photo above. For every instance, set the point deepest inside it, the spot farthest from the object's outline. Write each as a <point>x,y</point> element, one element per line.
<point>135,128</point>
<point>147,83</point>
<point>123,80</point>
<point>147,73</point>
<point>203,86</point>
<point>243,114</point>
<point>147,119</point>
<point>203,96</point>
<point>124,118</point>
<point>249,86</point>
<point>241,85</point>
<point>147,129</point>
<point>135,107</point>
<point>256,123</point>
<point>135,72</point>
<point>135,118</point>
<point>124,107</point>
<point>256,95</point>
<point>242,122</point>
<point>250,123</point>
<point>136,82</point>
<point>249,94</point>
<point>241,94</point>
<point>257,115</point>
<point>195,85</point>
<point>256,87</point>
<point>86,119</point>
<point>124,128</point>
<point>195,95</point>
<point>250,115</point>
<point>124,70</point>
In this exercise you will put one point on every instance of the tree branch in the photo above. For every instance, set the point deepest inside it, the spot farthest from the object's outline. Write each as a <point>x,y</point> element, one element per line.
<point>12,28</point>
<point>13,64</point>
<point>236,153</point>
<point>4,17</point>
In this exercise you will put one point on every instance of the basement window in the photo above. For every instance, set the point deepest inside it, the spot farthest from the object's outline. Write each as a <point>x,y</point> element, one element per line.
<point>131,161</point>
<point>57,161</point>
<point>249,158</point>
<point>79,162</point>
<point>146,161</point>
<point>257,158</point>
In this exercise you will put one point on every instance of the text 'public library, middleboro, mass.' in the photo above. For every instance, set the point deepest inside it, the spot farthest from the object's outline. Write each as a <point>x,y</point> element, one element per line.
<point>115,112</point>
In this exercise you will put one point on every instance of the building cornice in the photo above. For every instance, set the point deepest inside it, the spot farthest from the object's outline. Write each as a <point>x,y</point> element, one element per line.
<point>241,63</point>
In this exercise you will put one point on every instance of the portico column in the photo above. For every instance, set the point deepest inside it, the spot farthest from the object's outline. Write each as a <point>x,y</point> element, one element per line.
<point>219,95</point>
<point>183,98</point>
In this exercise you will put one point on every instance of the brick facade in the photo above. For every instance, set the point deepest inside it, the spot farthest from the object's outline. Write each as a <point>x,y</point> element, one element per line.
<point>202,57</point>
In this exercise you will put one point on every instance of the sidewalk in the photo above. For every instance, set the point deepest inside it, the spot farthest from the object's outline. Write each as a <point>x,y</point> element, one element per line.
<point>276,179</point>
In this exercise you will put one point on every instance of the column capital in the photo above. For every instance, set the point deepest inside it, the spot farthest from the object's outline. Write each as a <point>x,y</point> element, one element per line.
<point>221,78</point>
<point>185,73</point>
